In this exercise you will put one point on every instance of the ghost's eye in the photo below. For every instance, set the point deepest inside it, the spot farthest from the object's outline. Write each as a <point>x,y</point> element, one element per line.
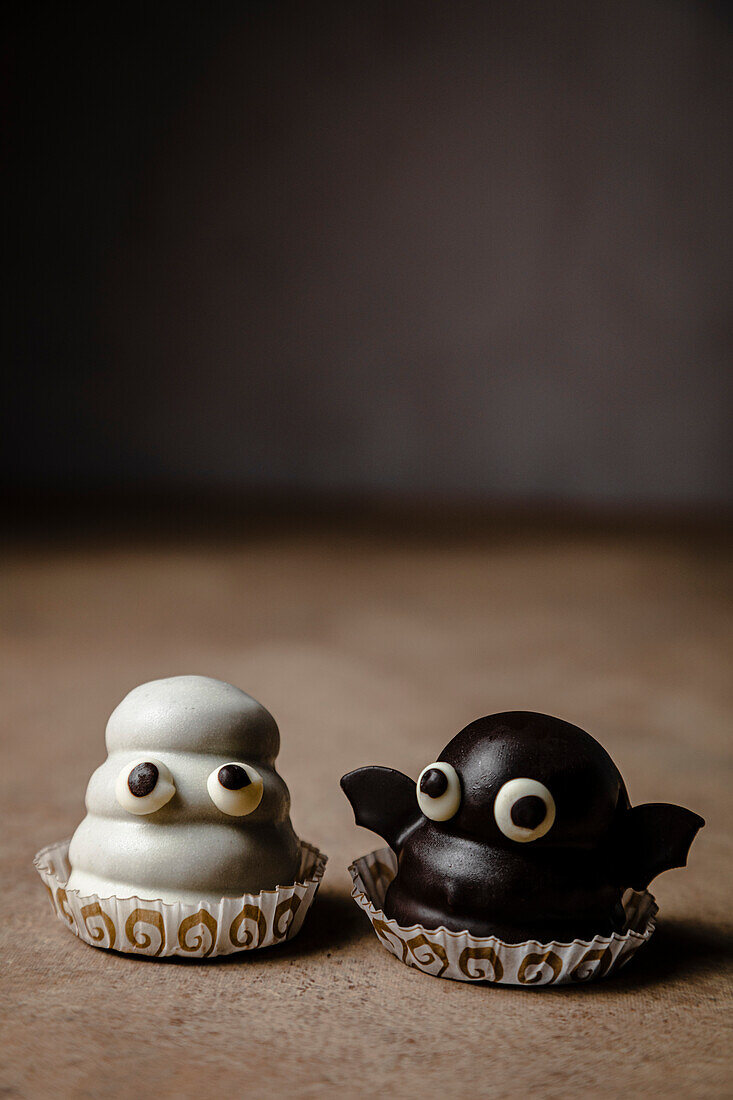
<point>144,786</point>
<point>236,789</point>
<point>439,791</point>
<point>524,810</point>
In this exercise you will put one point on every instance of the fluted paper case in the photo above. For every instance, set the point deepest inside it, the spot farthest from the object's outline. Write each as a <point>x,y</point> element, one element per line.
<point>467,958</point>
<point>142,926</point>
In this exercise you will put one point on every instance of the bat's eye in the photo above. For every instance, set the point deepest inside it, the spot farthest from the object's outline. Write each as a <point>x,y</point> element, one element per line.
<point>144,786</point>
<point>439,791</point>
<point>524,810</point>
<point>236,789</point>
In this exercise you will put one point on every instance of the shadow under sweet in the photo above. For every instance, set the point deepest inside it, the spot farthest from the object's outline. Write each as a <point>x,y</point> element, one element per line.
<point>333,922</point>
<point>679,949</point>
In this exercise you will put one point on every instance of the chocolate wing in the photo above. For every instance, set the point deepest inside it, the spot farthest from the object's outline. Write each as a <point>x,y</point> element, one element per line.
<point>384,801</point>
<point>653,838</point>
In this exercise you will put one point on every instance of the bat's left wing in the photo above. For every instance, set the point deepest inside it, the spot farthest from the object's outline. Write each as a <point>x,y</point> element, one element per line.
<point>383,800</point>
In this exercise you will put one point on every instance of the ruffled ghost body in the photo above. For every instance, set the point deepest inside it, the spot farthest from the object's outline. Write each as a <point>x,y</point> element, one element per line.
<point>188,805</point>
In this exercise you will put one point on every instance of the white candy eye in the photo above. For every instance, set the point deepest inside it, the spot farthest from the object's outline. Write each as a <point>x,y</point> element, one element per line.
<point>524,810</point>
<point>144,786</point>
<point>439,791</point>
<point>236,789</point>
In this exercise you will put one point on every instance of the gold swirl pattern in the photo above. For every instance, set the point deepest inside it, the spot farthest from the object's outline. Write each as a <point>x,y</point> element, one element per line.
<point>97,934</point>
<point>249,913</point>
<point>139,938</point>
<point>584,970</point>
<point>154,928</point>
<point>434,951</point>
<point>200,919</point>
<point>481,955</point>
<point>462,956</point>
<point>539,959</point>
<point>62,898</point>
<point>386,934</point>
<point>286,908</point>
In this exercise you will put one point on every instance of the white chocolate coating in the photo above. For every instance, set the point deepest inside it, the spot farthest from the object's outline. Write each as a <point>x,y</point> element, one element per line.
<point>188,849</point>
<point>510,793</point>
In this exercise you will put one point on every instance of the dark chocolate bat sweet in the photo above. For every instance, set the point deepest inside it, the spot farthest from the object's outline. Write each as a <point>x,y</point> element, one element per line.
<point>521,829</point>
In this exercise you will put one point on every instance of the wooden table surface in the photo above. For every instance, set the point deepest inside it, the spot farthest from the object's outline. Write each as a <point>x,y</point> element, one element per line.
<point>368,649</point>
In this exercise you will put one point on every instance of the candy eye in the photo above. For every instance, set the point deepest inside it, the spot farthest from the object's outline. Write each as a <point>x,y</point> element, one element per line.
<point>236,789</point>
<point>144,786</point>
<point>524,810</point>
<point>439,791</point>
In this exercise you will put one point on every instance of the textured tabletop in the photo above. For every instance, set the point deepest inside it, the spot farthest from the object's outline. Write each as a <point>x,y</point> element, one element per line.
<point>368,649</point>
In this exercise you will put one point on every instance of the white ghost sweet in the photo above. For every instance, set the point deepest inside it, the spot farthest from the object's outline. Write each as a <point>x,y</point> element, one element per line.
<point>188,805</point>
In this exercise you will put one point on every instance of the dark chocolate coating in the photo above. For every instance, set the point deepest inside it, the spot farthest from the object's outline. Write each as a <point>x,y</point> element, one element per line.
<point>434,782</point>
<point>142,779</point>
<point>529,812</point>
<point>233,777</point>
<point>464,873</point>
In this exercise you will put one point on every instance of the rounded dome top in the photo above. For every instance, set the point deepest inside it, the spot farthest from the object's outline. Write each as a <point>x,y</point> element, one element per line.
<point>584,785</point>
<point>193,714</point>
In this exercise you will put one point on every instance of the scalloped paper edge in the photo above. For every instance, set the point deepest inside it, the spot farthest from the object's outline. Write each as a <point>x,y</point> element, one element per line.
<point>142,926</point>
<point>463,957</point>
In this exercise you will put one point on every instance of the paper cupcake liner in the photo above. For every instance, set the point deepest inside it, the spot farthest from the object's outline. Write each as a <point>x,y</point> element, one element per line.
<point>467,958</point>
<point>152,927</point>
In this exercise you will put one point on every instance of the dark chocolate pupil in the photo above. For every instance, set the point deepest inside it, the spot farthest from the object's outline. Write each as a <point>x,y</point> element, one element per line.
<point>529,812</point>
<point>233,777</point>
<point>142,779</point>
<point>434,783</point>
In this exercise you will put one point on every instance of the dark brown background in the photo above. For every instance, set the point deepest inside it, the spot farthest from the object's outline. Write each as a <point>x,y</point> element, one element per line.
<point>474,248</point>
